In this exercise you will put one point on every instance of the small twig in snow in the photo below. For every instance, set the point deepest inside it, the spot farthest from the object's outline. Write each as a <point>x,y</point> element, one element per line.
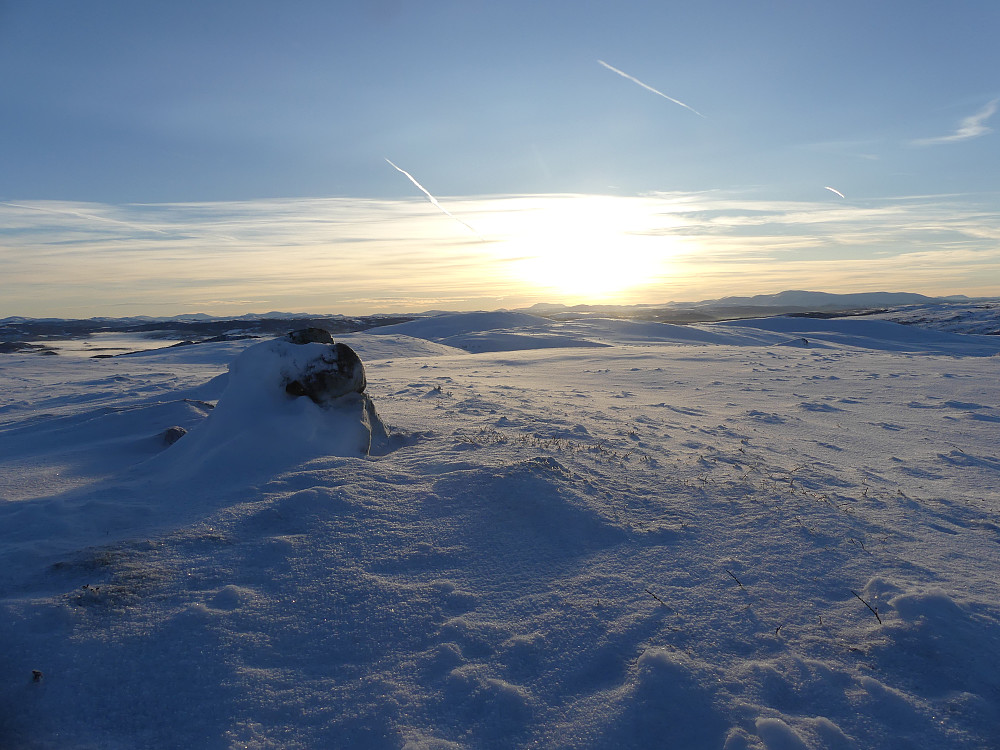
<point>657,598</point>
<point>873,609</point>
<point>734,578</point>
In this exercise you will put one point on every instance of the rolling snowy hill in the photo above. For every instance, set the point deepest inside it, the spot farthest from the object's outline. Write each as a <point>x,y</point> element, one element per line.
<point>777,533</point>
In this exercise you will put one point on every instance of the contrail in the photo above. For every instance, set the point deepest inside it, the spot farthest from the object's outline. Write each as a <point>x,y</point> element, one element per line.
<point>106,220</point>
<point>834,190</point>
<point>434,201</point>
<point>649,88</point>
<point>81,215</point>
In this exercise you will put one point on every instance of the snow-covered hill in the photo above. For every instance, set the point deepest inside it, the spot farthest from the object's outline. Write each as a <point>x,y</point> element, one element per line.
<point>973,317</point>
<point>776,533</point>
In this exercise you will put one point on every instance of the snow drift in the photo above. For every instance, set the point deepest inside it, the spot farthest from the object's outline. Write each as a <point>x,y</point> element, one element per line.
<point>283,402</point>
<point>707,537</point>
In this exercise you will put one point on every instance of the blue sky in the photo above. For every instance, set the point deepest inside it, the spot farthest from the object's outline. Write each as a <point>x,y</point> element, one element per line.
<point>111,106</point>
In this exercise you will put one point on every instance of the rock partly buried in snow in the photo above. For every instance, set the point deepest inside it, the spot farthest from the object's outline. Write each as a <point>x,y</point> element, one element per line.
<point>286,401</point>
<point>172,434</point>
<point>334,372</point>
<point>310,336</point>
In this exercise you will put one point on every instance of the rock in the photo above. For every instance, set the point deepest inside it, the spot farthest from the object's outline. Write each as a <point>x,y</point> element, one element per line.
<point>20,347</point>
<point>284,404</point>
<point>172,434</point>
<point>309,336</point>
<point>333,373</point>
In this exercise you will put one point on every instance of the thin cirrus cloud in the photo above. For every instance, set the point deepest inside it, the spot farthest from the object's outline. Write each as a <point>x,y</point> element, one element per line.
<point>973,126</point>
<point>359,256</point>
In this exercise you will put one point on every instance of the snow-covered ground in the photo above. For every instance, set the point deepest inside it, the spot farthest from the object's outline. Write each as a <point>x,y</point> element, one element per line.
<point>972,317</point>
<point>776,533</point>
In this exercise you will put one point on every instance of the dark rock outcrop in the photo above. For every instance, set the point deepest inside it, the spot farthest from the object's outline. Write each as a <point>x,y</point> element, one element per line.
<point>310,336</point>
<point>334,373</point>
<point>172,434</point>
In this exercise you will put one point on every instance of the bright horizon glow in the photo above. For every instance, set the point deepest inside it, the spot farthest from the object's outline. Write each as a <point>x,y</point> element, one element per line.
<point>588,248</point>
<point>363,256</point>
<point>230,157</point>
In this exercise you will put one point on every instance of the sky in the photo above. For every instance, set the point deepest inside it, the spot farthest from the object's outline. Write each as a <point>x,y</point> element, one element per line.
<point>235,157</point>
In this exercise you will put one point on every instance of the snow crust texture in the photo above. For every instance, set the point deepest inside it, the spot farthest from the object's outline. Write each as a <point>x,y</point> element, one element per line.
<point>768,534</point>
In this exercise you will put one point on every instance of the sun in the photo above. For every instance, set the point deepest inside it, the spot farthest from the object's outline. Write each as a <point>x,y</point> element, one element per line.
<point>586,266</point>
<point>586,247</point>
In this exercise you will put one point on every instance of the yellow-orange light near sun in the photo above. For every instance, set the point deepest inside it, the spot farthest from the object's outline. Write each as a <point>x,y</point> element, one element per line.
<point>584,246</point>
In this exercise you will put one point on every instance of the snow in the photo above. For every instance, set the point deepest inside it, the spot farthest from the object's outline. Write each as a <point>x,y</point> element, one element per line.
<point>971,317</point>
<point>763,534</point>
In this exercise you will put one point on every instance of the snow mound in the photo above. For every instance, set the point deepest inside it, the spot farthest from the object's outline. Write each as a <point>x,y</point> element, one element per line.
<point>264,420</point>
<point>452,324</point>
<point>928,644</point>
<point>880,335</point>
<point>481,332</point>
<point>511,341</point>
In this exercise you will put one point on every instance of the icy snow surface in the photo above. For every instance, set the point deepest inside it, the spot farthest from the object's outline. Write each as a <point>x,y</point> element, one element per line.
<point>777,533</point>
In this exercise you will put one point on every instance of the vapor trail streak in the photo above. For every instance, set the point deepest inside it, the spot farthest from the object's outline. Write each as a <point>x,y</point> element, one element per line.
<point>434,201</point>
<point>649,88</point>
<point>834,190</point>
<point>81,215</point>
<point>131,225</point>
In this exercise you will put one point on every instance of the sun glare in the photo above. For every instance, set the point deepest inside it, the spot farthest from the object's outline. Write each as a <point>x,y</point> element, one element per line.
<point>585,247</point>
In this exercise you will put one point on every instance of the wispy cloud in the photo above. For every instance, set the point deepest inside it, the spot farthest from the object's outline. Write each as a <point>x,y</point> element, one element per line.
<point>833,190</point>
<point>973,126</point>
<point>358,256</point>
<point>85,216</point>
<point>434,201</point>
<point>623,74</point>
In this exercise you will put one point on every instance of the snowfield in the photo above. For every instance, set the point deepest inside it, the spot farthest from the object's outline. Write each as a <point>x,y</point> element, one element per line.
<point>776,533</point>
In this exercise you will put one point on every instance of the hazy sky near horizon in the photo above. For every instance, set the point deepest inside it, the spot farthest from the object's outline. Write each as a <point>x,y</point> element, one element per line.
<point>231,157</point>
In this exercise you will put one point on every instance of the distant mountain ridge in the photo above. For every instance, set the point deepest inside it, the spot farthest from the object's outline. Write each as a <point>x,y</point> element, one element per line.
<point>792,299</point>
<point>185,318</point>
<point>17,332</point>
<point>799,298</point>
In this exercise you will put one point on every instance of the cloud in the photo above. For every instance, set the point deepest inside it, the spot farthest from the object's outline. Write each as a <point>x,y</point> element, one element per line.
<point>358,256</point>
<point>971,127</point>
<point>649,88</point>
<point>82,215</point>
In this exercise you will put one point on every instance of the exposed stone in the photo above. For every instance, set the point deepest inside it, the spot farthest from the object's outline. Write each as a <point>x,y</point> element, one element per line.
<point>172,434</point>
<point>310,336</point>
<point>21,347</point>
<point>335,372</point>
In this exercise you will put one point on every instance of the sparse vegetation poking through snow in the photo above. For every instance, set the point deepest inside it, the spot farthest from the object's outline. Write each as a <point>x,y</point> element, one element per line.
<point>874,611</point>
<point>657,598</point>
<point>733,576</point>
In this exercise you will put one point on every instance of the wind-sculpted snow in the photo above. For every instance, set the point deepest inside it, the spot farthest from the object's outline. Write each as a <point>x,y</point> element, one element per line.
<point>453,324</point>
<point>876,334</point>
<point>982,317</point>
<point>257,426</point>
<point>717,536</point>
